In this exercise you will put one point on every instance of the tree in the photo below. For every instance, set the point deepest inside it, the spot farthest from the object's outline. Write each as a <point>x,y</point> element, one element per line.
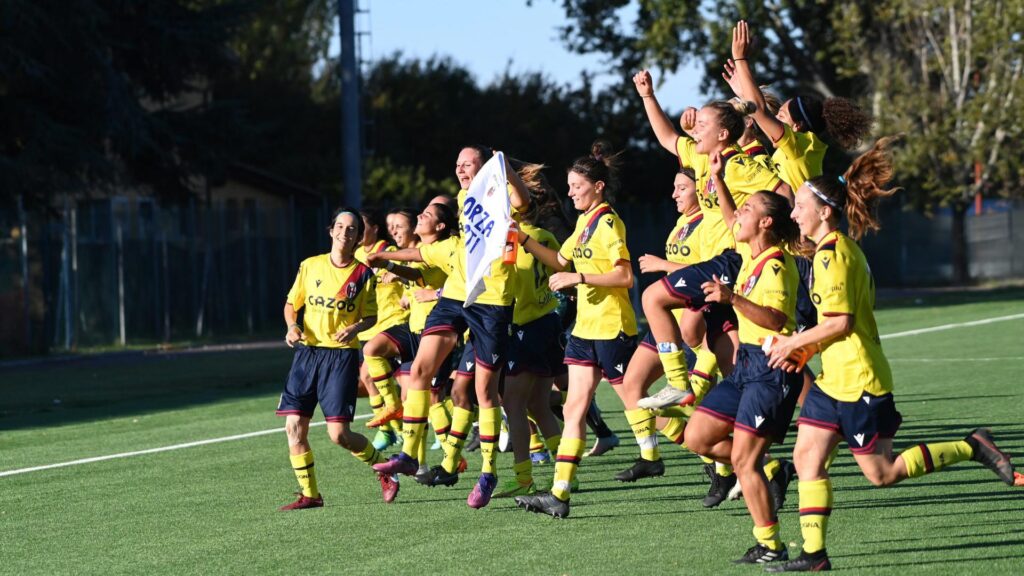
<point>91,94</point>
<point>945,72</point>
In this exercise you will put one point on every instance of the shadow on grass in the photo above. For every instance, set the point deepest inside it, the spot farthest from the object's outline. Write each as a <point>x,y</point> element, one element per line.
<point>104,387</point>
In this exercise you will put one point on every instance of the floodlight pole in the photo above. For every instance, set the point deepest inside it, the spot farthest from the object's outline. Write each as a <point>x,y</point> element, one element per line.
<point>351,142</point>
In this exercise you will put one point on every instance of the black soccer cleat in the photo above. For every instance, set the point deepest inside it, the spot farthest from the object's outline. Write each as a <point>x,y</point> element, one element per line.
<point>642,469</point>
<point>438,476</point>
<point>988,455</point>
<point>720,486</point>
<point>815,562</point>
<point>544,503</point>
<point>761,554</point>
<point>779,484</point>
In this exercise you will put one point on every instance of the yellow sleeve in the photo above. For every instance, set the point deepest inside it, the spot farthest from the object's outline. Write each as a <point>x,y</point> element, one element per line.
<point>369,304</point>
<point>832,291</point>
<point>615,243</point>
<point>788,143</point>
<point>436,254</point>
<point>566,250</point>
<point>297,295</point>
<point>686,150</point>
<point>771,286</point>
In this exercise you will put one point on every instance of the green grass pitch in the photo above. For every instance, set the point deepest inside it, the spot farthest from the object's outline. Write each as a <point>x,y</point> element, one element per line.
<point>211,509</point>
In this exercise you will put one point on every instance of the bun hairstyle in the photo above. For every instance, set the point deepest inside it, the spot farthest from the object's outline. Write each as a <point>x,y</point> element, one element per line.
<point>731,115</point>
<point>857,192</point>
<point>360,225</point>
<point>600,166</point>
<point>836,119</point>
<point>446,215</point>
<point>376,218</point>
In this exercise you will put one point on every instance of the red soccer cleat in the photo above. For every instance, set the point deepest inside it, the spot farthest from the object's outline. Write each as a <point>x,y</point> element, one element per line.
<point>303,502</point>
<point>388,487</point>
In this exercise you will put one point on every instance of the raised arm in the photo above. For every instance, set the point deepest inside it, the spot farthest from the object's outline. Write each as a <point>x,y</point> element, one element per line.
<point>660,123</point>
<point>740,78</point>
<point>725,199</point>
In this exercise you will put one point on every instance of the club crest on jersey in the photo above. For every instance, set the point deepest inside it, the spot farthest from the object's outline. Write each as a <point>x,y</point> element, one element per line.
<point>350,290</point>
<point>749,286</point>
<point>584,236</point>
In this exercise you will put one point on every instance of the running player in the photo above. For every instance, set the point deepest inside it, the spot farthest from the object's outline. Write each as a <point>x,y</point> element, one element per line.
<point>338,295</point>
<point>604,336</point>
<point>852,399</point>
<point>487,319</point>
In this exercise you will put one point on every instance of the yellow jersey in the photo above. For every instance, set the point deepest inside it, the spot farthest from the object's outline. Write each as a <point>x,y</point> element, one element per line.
<point>743,176</point>
<point>841,283</point>
<point>596,245</point>
<point>433,279</point>
<point>798,156</point>
<point>498,285</point>
<point>767,279</point>
<point>683,243</point>
<point>534,298</point>
<point>377,246</point>
<point>332,298</point>
<point>389,303</point>
<point>759,154</point>
<point>450,256</point>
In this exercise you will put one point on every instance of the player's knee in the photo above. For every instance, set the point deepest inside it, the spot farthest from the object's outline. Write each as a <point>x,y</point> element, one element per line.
<point>342,438</point>
<point>880,478</point>
<point>696,441</point>
<point>653,297</point>
<point>295,431</point>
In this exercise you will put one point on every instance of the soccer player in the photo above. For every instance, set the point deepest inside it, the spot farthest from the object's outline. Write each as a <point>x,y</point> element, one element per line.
<point>392,338</point>
<point>682,248</point>
<point>488,320</point>
<point>535,355</point>
<point>604,336</point>
<point>338,295</point>
<point>804,126</point>
<point>751,408</point>
<point>852,399</point>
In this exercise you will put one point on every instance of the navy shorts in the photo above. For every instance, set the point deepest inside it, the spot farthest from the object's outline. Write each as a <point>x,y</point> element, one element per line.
<point>806,313</point>
<point>755,398</point>
<point>611,356</point>
<point>685,283</point>
<point>325,376</point>
<point>649,343</point>
<point>860,423</point>
<point>443,371</point>
<point>488,327</point>
<point>404,340</point>
<point>536,348</point>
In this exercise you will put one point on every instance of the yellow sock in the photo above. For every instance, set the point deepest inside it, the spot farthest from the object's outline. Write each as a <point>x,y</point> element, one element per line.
<point>440,420</point>
<point>414,421</point>
<point>723,469</point>
<point>705,459</point>
<point>553,442</point>
<point>302,464</point>
<point>462,421</point>
<point>536,442</point>
<point>524,472</point>
<point>831,457</point>
<point>369,455</point>
<point>815,508</point>
<point>772,468</point>
<point>674,430</point>
<point>673,360</point>
<point>376,405</point>
<point>449,405</point>
<point>769,536</point>
<point>570,451</point>
<point>380,370</point>
<point>490,426</point>
<point>706,363</point>
<point>421,452</point>
<point>642,423</point>
<point>926,458</point>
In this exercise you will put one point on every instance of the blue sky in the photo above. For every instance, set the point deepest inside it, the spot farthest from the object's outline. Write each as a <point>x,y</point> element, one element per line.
<point>486,36</point>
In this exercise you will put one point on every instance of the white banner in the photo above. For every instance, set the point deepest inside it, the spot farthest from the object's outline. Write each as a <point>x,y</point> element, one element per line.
<point>485,217</point>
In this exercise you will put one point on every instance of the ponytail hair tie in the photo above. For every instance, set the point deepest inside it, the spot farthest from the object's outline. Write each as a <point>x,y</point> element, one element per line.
<point>842,180</point>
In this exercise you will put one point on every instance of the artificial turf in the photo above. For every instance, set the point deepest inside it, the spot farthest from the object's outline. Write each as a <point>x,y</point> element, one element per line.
<point>212,509</point>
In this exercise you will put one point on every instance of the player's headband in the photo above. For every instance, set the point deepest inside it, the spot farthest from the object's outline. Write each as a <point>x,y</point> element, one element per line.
<point>821,196</point>
<point>803,113</point>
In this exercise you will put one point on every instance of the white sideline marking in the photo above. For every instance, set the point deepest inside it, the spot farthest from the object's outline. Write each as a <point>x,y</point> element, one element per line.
<point>951,326</point>
<point>160,449</point>
<point>365,416</point>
